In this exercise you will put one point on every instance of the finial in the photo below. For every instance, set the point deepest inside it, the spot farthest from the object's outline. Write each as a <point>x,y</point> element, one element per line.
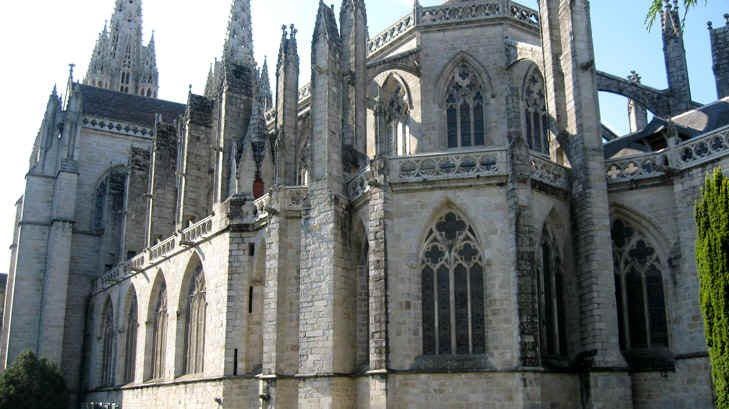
<point>726,18</point>
<point>283,29</point>
<point>709,25</point>
<point>70,71</point>
<point>293,31</point>
<point>189,90</point>
<point>55,90</point>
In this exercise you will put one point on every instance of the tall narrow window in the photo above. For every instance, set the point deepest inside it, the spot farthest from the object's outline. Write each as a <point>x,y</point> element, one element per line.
<point>397,114</point>
<point>553,325</point>
<point>535,113</point>
<point>465,110</point>
<point>107,357</point>
<point>130,350</point>
<point>159,337</point>
<point>639,292</point>
<point>195,324</point>
<point>452,289</point>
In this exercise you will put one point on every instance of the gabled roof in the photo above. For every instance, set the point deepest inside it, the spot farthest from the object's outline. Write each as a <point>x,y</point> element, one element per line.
<point>125,107</point>
<point>689,124</point>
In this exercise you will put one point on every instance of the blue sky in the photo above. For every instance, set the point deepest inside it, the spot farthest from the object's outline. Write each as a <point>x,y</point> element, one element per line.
<point>41,38</point>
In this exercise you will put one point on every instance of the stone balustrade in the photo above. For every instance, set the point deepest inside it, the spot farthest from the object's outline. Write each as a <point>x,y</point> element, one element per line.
<point>358,185</point>
<point>197,230</point>
<point>548,172</point>
<point>450,165</point>
<point>395,31</point>
<point>305,93</point>
<point>458,12</point>
<point>685,155</point>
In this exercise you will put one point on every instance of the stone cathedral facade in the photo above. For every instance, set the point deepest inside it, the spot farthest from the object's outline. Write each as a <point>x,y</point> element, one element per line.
<point>438,220</point>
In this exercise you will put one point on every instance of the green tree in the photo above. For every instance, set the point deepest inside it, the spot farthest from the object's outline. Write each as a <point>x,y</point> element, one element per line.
<point>657,5</point>
<point>32,383</point>
<point>712,262</point>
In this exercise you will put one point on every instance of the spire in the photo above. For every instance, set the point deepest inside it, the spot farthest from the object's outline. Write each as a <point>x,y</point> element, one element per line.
<point>238,46</point>
<point>266,86</point>
<point>326,24</point>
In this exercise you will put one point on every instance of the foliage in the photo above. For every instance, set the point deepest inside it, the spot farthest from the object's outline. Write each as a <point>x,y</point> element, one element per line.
<point>656,7</point>
<point>32,383</point>
<point>712,262</point>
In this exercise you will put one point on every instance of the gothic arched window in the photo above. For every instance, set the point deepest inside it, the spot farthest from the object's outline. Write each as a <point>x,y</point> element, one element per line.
<point>159,335</point>
<point>554,330</point>
<point>465,109</point>
<point>107,353</point>
<point>639,290</point>
<point>195,324</point>
<point>397,115</point>
<point>130,350</point>
<point>535,113</point>
<point>452,289</point>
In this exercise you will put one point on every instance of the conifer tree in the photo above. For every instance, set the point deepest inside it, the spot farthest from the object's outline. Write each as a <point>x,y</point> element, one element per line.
<point>712,262</point>
<point>32,383</point>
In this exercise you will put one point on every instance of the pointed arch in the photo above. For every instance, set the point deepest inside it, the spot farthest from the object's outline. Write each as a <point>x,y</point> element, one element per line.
<point>464,90</point>
<point>359,245</point>
<point>107,344</point>
<point>191,325</point>
<point>109,201</point>
<point>534,107</point>
<point>640,290</point>
<point>551,284</point>
<point>157,317</point>
<point>397,103</point>
<point>131,323</point>
<point>452,287</point>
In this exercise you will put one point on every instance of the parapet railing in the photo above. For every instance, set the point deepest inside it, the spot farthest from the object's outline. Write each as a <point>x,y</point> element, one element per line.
<point>390,34</point>
<point>186,237</point>
<point>451,13</point>
<point>449,165</point>
<point>549,172</point>
<point>685,155</point>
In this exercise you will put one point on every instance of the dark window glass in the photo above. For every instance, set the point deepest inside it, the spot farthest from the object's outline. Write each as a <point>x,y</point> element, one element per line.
<point>465,124</point>
<point>444,311</point>
<point>428,312</point>
<point>461,303</point>
<point>478,328</point>
<point>452,128</point>
<point>636,310</point>
<point>478,125</point>
<point>656,307</point>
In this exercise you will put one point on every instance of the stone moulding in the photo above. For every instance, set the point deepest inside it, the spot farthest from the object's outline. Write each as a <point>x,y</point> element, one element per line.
<point>118,127</point>
<point>686,155</point>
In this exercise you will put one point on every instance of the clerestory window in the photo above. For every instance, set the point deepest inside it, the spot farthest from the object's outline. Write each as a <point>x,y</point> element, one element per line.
<point>535,113</point>
<point>452,289</point>
<point>465,109</point>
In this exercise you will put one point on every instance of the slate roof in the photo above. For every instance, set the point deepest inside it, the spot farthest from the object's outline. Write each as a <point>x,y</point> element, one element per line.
<point>125,107</point>
<point>689,125</point>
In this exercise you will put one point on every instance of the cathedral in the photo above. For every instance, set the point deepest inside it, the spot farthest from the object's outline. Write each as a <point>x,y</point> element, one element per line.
<point>437,220</point>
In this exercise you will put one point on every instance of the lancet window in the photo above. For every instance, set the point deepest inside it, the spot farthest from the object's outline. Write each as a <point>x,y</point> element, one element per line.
<point>107,353</point>
<point>130,350</point>
<point>465,109</point>
<point>195,324</point>
<point>639,290</point>
<point>535,113</point>
<point>397,114</point>
<point>159,335</point>
<point>553,325</point>
<point>452,289</point>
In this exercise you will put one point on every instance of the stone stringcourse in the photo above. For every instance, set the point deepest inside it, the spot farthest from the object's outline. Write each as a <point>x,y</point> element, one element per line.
<point>686,155</point>
<point>116,127</point>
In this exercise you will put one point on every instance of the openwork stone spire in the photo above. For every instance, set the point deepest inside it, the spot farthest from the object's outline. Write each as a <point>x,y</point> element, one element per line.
<point>120,62</point>
<point>239,39</point>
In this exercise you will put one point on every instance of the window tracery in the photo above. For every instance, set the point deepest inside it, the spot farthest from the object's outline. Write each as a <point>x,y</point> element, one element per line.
<point>107,354</point>
<point>553,322</point>
<point>452,289</point>
<point>397,114</point>
<point>639,290</point>
<point>195,324</point>
<point>130,355</point>
<point>465,109</point>
<point>159,335</point>
<point>535,113</point>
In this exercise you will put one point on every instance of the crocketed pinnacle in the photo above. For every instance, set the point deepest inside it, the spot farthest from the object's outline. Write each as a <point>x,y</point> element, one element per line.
<point>238,46</point>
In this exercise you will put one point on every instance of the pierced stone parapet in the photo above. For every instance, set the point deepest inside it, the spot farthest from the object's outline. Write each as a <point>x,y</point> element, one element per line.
<point>549,172</point>
<point>305,92</point>
<point>118,127</point>
<point>197,230</point>
<point>703,149</point>
<point>450,165</point>
<point>101,405</point>
<point>392,33</point>
<point>162,248</point>
<point>451,13</point>
<point>635,167</point>
<point>525,14</point>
